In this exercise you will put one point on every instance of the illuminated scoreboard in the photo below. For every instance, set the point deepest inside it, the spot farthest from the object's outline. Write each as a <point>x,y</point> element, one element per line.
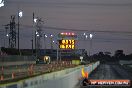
<point>67,40</point>
<point>67,44</point>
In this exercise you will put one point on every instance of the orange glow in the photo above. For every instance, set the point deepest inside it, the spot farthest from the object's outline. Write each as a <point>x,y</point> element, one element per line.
<point>84,74</point>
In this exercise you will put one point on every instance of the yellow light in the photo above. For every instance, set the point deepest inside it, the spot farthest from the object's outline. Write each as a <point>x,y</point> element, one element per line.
<point>63,41</point>
<point>73,41</point>
<point>63,47</point>
<point>73,47</point>
<point>67,44</point>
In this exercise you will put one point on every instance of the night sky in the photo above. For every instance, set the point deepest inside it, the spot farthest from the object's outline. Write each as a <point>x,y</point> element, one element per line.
<point>88,15</point>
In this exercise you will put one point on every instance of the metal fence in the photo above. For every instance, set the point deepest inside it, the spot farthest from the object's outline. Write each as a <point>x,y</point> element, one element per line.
<point>12,58</point>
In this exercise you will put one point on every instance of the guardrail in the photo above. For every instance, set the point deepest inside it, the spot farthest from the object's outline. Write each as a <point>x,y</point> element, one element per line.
<point>66,78</point>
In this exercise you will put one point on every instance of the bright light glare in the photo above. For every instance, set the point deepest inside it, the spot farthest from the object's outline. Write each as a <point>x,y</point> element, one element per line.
<point>53,41</point>
<point>36,32</point>
<point>84,33</point>
<point>86,36</point>
<point>35,20</point>
<point>73,34</point>
<point>91,36</point>
<point>46,58</point>
<point>46,36</point>
<point>38,35</point>
<point>20,13</point>
<point>51,35</point>
<point>62,33</point>
<point>1,3</point>
<point>7,35</point>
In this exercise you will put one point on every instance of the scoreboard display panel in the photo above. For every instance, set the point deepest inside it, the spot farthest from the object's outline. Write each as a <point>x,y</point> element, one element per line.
<point>67,44</point>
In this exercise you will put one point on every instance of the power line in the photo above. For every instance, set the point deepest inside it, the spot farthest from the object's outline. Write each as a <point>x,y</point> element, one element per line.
<point>77,30</point>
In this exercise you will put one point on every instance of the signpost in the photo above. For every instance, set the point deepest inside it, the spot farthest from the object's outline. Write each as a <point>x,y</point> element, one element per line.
<point>81,58</point>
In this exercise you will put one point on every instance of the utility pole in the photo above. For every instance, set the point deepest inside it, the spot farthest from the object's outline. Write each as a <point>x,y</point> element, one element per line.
<point>18,31</point>
<point>38,36</point>
<point>20,14</point>
<point>32,45</point>
<point>32,34</point>
<point>45,36</point>
<point>51,41</point>
<point>7,34</point>
<point>57,51</point>
<point>12,33</point>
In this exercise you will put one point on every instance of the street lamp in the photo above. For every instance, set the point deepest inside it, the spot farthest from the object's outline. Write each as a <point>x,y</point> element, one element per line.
<point>84,33</point>
<point>51,35</point>
<point>1,3</point>
<point>91,36</point>
<point>36,32</point>
<point>46,36</point>
<point>7,35</point>
<point>20,14</point>
<point>37,35</point>
<point>51,41</point>
<point>35,20</point>
<point>86,36</point>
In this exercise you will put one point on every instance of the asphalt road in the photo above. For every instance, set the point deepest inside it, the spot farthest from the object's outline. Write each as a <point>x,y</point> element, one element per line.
<point>108,71</point>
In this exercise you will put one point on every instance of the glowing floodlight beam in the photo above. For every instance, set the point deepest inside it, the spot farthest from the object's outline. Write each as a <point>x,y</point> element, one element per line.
<point>86,36</point>
<point>51,35</point>
<point>36,32</point>
<point>7,35</point>
<point>35,20</point>
<point>1,3</point>
<point>46,36</point>
<point>20,14</point>
<point>91,36</point>
<point>37,35</point>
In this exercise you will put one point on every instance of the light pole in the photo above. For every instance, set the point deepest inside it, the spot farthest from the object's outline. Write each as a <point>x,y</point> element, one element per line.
<point>7,35</point>
<point>57,52</point>
<point>51,41</point>
<point>20,14</point>
<point>86,37</point>
<point>91,36</point>
<point>45,36</point>
<point>36,43</point>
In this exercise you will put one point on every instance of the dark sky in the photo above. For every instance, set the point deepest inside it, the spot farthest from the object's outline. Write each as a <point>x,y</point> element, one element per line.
<point>90,15</point>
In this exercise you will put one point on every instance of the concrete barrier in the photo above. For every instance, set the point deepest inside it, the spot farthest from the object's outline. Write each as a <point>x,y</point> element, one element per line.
<point>67,78</point>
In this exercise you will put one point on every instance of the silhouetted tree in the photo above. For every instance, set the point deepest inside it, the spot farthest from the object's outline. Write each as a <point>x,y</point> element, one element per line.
<point>119,55</point>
